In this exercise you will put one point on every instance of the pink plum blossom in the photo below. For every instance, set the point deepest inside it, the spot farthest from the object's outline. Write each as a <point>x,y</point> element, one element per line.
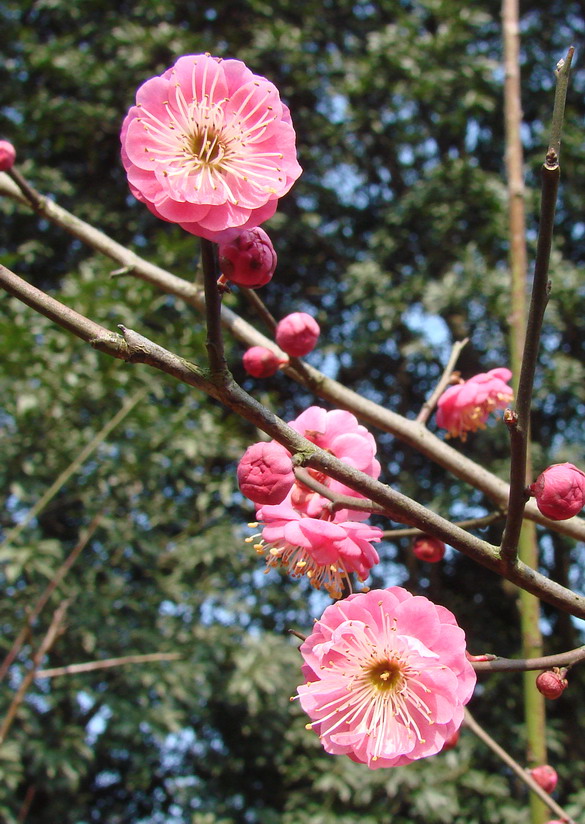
<point>386,677</point>
<point>7,155</point>
<point>249,259</point>
<point>265,473</point>
<point>303,534</point>
<point>466,406</point>
<point>560,491</point>
<point>209,145</point>
<point>297,334</point>
<point>429,549</point>
<point>324,551</point>
<point>261,362</point>
<point>545,776</point>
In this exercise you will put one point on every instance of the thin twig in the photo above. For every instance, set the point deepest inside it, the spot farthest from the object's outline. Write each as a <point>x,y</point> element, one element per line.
<point>561,659</point>
<point>408,431</point>
<point>468,523</point>
<point>519,427</point>
<point>214,341</point>
<point>444,381</point>
<point>49,589</point>
<point>522,774</point>
<point>51,636</point>
<point>107,663</point>
<point>26,804</point>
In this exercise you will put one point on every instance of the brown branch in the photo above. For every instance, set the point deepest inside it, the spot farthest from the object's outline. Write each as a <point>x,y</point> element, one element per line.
<point>411,433</point>
<point>445,380</point>
<point>562,659</point>
<point>49,589</point>
<point>522,774</point>
<point>51,636</point>
<point>107,663</point>
<point>137,349</point>
<point>468,523</point>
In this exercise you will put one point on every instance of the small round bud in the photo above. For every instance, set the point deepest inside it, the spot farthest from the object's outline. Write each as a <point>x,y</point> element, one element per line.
<point>265,473</point>
<point>560,491</point>
<point>427,548</point>
<point>297,334</point>
<point>545,776</point>
<point>261,362</point>
<point>552,683</point>
<point>7,155</point>
<point>249,259</point>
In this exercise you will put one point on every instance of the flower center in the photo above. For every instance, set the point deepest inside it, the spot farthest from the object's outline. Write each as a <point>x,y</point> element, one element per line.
<point>206,147</point>
<point>385,675</point>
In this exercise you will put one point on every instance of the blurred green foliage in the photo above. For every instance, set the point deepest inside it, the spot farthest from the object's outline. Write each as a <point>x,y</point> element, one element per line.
<point>395,238</point>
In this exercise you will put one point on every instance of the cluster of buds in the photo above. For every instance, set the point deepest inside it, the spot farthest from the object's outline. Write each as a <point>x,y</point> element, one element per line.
<point>296,334</point>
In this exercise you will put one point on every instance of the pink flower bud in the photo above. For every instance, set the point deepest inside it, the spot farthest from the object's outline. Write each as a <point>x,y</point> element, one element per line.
<point>297,334</point>
<point>552,683</point>
<point>427,548</point>
<point>249,259</point>
<point>545,776</point>
<point>261,362</point>
<point>560,491</point>
<point>7,155</point>
<point>265,473</point>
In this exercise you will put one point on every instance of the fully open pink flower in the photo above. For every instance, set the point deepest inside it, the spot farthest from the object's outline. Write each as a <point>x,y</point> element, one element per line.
<point>560,491</point>
<point>386,677</point>
<point>209,146</point>
<point>326,552</point>
<point>466,406</point>
<point>265,473</point>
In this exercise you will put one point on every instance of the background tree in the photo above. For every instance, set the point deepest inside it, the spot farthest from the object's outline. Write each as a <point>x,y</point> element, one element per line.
<point>395,239</point>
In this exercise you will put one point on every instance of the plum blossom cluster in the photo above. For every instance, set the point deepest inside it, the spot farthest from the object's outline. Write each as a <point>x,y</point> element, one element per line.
<point>301,532</point>
<point>209,145</point>
<point>466,406</point>
<point>386,677</point>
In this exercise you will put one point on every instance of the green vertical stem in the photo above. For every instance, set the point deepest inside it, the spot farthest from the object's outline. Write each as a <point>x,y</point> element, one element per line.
<point>534,711</point>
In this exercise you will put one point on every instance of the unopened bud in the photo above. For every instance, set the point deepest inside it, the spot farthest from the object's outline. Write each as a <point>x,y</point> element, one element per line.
<point>560,491</point>
<point>545,776</point>
<point>249,259</point>
<point>297,334</point>
<point>7,155</point>
<point>265,473</point>
<point>427,548</point>
<point>552,683</point>
<point>261,362</point>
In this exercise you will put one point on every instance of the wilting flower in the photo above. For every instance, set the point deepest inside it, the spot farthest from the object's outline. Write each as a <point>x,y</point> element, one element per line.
<point>209,146</point>
<point>7,155</point>
<point>386,677</point>
<point>265,473</point>
<point>560,491</point>
<point>249,259</point>
<point>545,776</point>
<point>429,549</point>
<point>466,406</point>
<point>261,362</point>
<point>297,334</point>
<point>552,683</point>
<point>325,552</point>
